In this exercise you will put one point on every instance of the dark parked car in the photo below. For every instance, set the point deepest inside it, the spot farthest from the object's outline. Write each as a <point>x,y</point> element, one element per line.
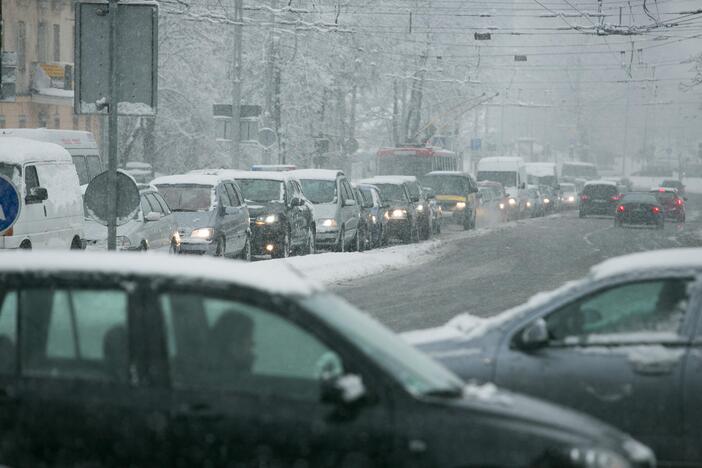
<point>621,344</point>
<point>373,202</point>
<point>639,208</point>
<point>672,202</point>
<point>401,213</point>
<point>365,222</point>
<point>423,208</point>
<point>125,360</point>
<point>282,219</point>
<point>599,197</point>
<point>676,184</point>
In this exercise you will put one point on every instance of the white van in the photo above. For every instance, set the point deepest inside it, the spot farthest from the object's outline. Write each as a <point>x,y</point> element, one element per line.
<point>51,211</point>
<point>507,170</point>
<point>81,145</point>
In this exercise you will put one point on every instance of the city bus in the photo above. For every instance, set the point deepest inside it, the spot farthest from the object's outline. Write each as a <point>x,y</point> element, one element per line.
<point>415,161</point>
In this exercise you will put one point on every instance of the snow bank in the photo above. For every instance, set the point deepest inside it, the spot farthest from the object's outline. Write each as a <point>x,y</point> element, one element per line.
<point>332,267</point>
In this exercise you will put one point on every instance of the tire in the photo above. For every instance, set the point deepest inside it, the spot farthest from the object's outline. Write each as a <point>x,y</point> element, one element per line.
<point>144,246</point>
<point>581,214</point>
<point>173,249</point>
<point>26,245</point>
<point>311,247</point>
<point>76,244</point>
<point>681,219</point>
<point>284,251</point>
<point>245,254</point>
<point>341,245</point>
<point>221,248</point>
<point>466,223</point>
<point>358,241</point>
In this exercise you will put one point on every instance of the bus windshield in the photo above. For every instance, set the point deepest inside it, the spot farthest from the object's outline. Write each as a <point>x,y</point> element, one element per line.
<point>404,165</point>
<point>507,179</point>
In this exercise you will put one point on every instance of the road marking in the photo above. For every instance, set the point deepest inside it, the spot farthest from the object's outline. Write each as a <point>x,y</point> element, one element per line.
<point>587,240</point>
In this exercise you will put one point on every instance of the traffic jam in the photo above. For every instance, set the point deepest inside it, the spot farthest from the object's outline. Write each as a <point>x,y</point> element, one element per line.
<point>316,234</point>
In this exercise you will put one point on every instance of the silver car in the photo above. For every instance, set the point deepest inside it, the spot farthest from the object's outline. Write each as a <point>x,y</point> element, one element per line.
<point>153,227</point>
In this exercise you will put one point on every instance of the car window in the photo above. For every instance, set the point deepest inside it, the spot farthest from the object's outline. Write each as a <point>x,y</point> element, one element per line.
<point>155,206</point>
<point>638,307</point>
<point>233,197</point>
<point>162,203</point>
<point>320,191</point>
<point>8,333</point>
<point>348,192</point>
<point>31,179</point>
<point>225,344</point>
<point>81,168</point>
<point>413,189</point>
<point>224,196</point>
<point>74,333</point>
<point>94,166</point>
<point>145,206</point>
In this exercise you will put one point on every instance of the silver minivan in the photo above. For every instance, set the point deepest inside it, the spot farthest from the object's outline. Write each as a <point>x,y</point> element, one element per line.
<point>336,212</point>
<point>212,216</point>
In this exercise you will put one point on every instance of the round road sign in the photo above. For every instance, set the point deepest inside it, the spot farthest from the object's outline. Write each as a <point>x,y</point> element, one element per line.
<point>267,137</point>
<point>95,199</point>
<point>10,204</point>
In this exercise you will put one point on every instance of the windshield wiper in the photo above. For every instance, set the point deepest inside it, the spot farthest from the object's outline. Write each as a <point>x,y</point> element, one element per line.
<point>183,210</point>
<point>451,392</point>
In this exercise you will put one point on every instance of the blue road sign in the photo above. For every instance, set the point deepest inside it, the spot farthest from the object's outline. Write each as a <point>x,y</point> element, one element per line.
<point>476,144</point>
<point>9,204</point>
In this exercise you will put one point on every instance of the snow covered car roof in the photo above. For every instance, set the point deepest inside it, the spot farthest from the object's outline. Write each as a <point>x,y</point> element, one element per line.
<point>262,275</point>
<point>190,179</point>
<point>578,163</point>
<point>652,261</point>
<point>21,150</point>
<point>449,173</point>
<point>601,182</point>
<point>664,189</point>
<point>384,180</point>
<point>541,169</point>
<point>404,178</point>
<point>235,174</point>
<point>64,138</point>
<point>316,174</point>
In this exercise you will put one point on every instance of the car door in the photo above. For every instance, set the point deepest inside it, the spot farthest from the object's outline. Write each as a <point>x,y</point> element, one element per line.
<point>240,213</point>
<point>692,389</point>
<point>153,230</point>
<point>226,220</point>
<point>34,215</point>
<point>304,209</point>
<point>352,213</point>
<point>244,379</point>
<point>617,353</point>
<point>75,397</point>
<point>167,224</point>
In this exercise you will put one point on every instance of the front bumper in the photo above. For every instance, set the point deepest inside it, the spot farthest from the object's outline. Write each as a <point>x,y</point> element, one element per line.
<point>399,228</point>
<point>327,237</point>
<point>197,247</point>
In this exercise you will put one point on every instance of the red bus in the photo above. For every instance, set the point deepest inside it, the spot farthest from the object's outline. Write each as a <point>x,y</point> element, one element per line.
<point>415,161</point>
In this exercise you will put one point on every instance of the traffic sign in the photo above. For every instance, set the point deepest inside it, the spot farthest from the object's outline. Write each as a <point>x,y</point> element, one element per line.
<point>95,199</point>
<point>10,204</point>
<point>476,144</point>
<point>351,145</point>
<point>267,137</point>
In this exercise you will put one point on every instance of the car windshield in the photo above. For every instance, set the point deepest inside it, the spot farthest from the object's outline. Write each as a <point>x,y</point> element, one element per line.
<point>639,198</point>
<point>418,374</point>
<point>261,190</point>
<point>664,196</point>
<point>568,188</point>
<point>506,178</point>
<point>188,197</point>
<point>319,191</point>
<point>366,195</point>
<point>578,170</point>
<point>445,184</point>
<point>600,190</point>
<point>392,192</point>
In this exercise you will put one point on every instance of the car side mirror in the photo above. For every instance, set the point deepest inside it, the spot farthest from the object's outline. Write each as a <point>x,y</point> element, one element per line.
<point>153,216</point>
<point>36,195</point>
<point>523,186</point>
<point>415,199</point>
<point>343,390</point>
<point>350,202</point>
<point>534,336</point>
<point>297,201</point>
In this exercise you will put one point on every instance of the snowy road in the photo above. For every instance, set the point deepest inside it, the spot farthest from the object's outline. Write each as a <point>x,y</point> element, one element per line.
<point>490,272</point>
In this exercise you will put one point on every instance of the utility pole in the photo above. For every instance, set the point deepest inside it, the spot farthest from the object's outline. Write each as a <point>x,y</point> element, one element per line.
<point>236,82</point>
<point>626,129</point>
<point>113,129</point>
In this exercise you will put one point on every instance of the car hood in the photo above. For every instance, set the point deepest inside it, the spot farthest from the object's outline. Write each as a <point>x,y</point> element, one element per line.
<point>189,220</point>
<point>512,192</point>
<point>324,210</point>
<point>260,209</point>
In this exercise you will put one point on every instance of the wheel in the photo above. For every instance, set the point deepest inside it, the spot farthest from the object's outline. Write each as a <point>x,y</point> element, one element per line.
<point>311,247</point>
<point>26,245</point>
<point>581,214</point>
<point>358,241</point>
<point>220,249</point>
<point>246,251</point>
<point>173,249</point>
<point>681,219</point>
<point>466,223</point>
<point>341,244</point>
<point>617,223</point>
<point>284,250</point>
<point>76,244</point>
<point>144,246</point>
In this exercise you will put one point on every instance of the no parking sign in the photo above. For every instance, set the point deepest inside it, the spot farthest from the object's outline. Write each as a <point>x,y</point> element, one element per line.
<point>10,204</point>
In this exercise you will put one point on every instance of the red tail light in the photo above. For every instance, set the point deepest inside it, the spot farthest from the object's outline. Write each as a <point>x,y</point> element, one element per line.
<point>616,198</point>
<point>662,190</point>
<point>656,210</point>
<point>584,197</point>
<point>678,202</point>
<point>620,208</point>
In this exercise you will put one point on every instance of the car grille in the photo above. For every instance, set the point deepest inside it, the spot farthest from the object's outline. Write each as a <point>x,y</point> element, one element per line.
<point>447,205</point>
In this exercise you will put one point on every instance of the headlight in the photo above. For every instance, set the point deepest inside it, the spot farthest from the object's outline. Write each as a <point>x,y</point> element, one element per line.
<point>267,219</point>
<point>597,458</point>
<point>637,451</point>
<point>328,223</point>
<point>571,199</point>
<point>460,205</point>
<point>420,208</point>
<point>176,237</point>
<point>398,214</point>
<point>123,242</point>
<point>374,219</point>
<point>202,233</point>
<point>547,201</point>
<point>528,204</point>
<point>512,202</point>
<point>502,206</point>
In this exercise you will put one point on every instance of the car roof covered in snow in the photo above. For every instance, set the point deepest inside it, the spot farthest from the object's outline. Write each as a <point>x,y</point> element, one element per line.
<point>264,276</point>
<point>449,173</point>
<point>316,174</point>
<point>384,180</point>
<point>578,163</point>
<point>190,179</point>
<point>404,178</point>
<point>65,138</point>
<point>647,262</point>
<point>235,174</point>
<point>22,150</point>
<point>601,182</point>
<point>664,189</point>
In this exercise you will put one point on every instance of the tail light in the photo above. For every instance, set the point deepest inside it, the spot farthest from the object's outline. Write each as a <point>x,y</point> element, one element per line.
<point>616,198</point>
<point>584,197</point>
<point>655,210</point>
<point>678,202</point>
<point>620,208</point>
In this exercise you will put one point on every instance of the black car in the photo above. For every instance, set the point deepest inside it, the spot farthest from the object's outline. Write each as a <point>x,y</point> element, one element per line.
<point>599,198</point>
<point>281,218</point>
<point>123,360</point>
<point>365,221</point>
<point>373,202</point>
<point>640,208</point>
<point>620,344</point>
<point>676,184</point>
<point>401,214</point>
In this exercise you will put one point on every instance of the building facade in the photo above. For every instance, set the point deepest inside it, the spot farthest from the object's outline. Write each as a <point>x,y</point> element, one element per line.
<point>42,34</point>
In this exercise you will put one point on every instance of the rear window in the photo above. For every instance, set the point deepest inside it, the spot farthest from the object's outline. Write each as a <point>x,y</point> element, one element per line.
<point>598,190</point>
<point>639,198</point>
<point>187,197</point>
<point>664,196</point>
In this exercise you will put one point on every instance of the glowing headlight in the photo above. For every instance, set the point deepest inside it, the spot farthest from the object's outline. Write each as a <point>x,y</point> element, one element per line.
<point>267,219</point>
<point>528,204</point>
<point>202,233</point>
<point>374,219</point>
<point>460,205</point>
<point>176,237</point>
<point>547,201</point>
<point>328,223</point>
<point>502,206</point>
<point>598,458</point>
<point>512,202</point>
<point>420,208</point>
<point>571,199</point>
<point>398,214</point>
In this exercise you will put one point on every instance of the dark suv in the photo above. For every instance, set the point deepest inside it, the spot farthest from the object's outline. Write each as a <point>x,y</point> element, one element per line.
<point>401,214</point>
<point>599,198</point>
<point>119,360</point>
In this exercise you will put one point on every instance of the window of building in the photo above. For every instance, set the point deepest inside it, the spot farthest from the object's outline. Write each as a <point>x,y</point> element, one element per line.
<point>75,122</point>
<point>22,123</point>
<point>21,46</point>
<point>2,121</point>
<point>43,120</point>
<point>57,43</point>
<point>88,124</point>
<point>57,121</point>
<point>41,42</point>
